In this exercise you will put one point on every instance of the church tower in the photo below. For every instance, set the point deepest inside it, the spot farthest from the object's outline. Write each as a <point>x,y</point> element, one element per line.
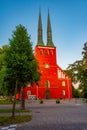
<point>40,31</point>
<point>49,32</point>
<point>54,82</point>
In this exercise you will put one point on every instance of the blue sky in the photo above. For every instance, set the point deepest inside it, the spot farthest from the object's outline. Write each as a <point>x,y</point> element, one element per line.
<point>68,22</point>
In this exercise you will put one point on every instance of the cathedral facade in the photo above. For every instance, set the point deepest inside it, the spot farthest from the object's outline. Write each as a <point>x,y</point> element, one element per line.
<point>54,82</point>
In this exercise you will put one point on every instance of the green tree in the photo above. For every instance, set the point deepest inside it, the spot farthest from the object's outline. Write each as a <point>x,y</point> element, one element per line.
<point>85,51</point>
<point>75,71</point>
<point>22,67</point>
<point>3,89</point>
<point>84,81</point>
<point>78,71</point>
<point>76,93</point>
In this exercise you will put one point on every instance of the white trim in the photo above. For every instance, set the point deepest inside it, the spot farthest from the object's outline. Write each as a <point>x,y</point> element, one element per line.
<point>43,47</point>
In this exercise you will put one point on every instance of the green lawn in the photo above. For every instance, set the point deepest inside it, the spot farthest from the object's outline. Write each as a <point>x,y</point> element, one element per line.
<point>6,120</point>
<point>10,110</point>
<point>6,101</point>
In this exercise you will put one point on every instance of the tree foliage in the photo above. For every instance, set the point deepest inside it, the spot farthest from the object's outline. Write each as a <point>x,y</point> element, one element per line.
<point>78,71</point>
<point>20,61</point>
<point>3,88</point>
<point>76,93</point>
<point>21,65</point>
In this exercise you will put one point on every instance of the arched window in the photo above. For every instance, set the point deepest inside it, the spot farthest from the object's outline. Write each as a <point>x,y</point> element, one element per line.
<point>51,52</point>
<point>63,93</point>
<point>41,52</point>
<point>28,92</point>
<point>47,84</point>
<point>59,73</point>
<point>46,52</point>
<point>63,83</point>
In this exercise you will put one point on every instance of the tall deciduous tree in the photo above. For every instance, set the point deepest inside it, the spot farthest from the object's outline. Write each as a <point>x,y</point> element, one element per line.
<point>84,53</point>
<point>84,60</point>
<point>78,71</point>
<point>21,64</point>
<point>3,89</point>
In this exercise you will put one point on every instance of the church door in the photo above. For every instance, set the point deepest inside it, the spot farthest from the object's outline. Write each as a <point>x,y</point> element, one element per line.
<point>47,95</point>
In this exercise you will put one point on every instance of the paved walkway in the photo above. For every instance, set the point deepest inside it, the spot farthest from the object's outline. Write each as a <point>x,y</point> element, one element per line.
<point>68,115</point>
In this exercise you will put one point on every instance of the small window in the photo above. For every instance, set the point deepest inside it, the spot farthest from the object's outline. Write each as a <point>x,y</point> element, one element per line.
<point>59,73</point>
<point>63,93</point>
<point>47,84</point>
<point>63,83</point>
<point>28,92</point>
<point>51,52</point>
<point>41,52</point>
<point>46,52</point>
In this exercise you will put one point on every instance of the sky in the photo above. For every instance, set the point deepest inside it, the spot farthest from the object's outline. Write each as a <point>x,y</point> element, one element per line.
<point>68,22</point>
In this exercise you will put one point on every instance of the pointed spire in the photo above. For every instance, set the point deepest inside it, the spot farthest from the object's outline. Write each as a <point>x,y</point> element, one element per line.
<point>49,32</point>
<point>40,39</point>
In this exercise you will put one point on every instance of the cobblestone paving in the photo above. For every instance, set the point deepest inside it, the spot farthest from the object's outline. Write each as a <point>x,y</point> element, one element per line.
<point>57,117</point>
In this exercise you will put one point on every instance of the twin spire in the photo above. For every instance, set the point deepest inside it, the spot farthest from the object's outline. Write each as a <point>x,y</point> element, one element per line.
<point>40,31</point>
<point>40,39</point>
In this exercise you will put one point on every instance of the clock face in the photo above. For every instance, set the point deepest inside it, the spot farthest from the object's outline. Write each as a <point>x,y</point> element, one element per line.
<point>47,66</point>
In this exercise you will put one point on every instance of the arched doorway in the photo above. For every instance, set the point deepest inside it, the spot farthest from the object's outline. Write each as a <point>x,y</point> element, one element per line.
<point>47,94</point>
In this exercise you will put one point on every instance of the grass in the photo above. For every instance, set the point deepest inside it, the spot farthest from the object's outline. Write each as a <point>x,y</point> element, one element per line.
<point>10,110</point>
<point>6,120</point>
<point>4,101</point>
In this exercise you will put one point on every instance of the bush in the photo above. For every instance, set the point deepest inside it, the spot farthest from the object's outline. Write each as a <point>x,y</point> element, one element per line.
<point>57,101</point>
<point>5,101</point>
<point>41,101</point>
<point>86,100</point>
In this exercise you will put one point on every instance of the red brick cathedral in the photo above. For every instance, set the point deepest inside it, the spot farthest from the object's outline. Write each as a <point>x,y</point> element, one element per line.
<point>54,82</point>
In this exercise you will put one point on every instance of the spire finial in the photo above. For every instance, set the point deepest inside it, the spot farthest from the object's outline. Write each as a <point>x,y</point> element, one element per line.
<point>40,39</point>
<point>49,32</point>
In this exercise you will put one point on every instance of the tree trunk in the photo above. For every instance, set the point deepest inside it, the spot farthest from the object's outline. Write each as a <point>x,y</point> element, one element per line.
<point>22,99</point>
<point>14,101</point>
